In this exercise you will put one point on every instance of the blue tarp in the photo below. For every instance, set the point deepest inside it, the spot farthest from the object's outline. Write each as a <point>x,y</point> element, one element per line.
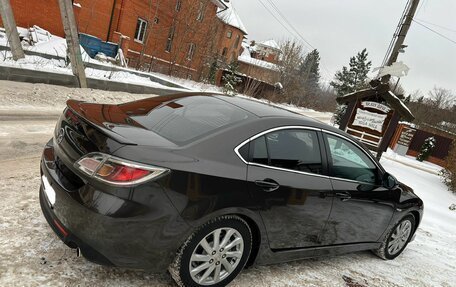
<point>93,45</point>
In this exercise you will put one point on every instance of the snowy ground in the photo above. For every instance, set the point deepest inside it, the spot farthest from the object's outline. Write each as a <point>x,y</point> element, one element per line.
<point>31,255</point>
<point>56,46</point>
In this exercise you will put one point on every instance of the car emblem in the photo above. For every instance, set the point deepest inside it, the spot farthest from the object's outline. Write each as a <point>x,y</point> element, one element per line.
<point>60,135</point>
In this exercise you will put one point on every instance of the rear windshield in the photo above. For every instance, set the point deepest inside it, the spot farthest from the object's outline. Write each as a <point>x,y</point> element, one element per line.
<point>187,119</point>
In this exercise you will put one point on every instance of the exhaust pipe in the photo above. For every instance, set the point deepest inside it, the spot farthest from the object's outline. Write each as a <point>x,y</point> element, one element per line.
<point>78,252</point>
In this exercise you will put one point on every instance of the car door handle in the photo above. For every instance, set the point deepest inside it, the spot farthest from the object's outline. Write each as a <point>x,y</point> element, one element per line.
<point>267,184</point>
<point>344,196</point>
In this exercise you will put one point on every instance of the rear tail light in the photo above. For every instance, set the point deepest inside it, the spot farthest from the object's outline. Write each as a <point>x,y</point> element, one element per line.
<point>117,171</point>
<point>71,116</point>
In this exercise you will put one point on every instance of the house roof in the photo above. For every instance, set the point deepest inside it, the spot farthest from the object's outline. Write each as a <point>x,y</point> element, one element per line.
<point>384,92</point>
<point>270,43</point>
<point>230,17</point>
<point>220,4</point>
<point>246,58</point>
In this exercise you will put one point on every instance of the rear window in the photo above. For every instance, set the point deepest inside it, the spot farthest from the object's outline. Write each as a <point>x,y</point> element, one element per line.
<point>187,119</point>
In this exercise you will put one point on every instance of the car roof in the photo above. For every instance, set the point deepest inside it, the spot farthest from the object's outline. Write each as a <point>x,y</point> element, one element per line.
<point>257,108</point>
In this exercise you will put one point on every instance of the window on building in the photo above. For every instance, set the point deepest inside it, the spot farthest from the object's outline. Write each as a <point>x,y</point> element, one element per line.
<point>238,38</point>
<point>225,50</point>
<point>141,27</point>
<point>191,51</point>
<point>169,41</point>
<point>178,5</point>
<point>200,12</point>
<point>229,34</point>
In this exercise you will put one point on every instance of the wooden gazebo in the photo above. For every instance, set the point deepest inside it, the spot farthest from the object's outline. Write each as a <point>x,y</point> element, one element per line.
<point>372,115</point>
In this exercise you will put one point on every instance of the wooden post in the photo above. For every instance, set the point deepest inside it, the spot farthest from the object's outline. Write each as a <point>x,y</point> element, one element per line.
<point>401,36</point>
<point>72,39</point>
<point>12,35</point>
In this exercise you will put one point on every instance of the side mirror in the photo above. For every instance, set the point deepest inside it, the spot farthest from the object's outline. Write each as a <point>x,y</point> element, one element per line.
<point>389,181</point>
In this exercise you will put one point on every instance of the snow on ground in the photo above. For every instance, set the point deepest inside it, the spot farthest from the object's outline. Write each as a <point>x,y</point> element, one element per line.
<point>32,255</point>
<point>409,160</point>
<point>57,46</point>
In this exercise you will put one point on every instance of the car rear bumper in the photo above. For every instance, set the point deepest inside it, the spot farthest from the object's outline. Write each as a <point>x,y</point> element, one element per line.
<point>134,236</point>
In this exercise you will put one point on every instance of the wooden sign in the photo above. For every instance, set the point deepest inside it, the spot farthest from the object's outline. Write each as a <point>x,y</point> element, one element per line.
<point>369,120</point>
<point>376,106</point>
<point>406,136</point>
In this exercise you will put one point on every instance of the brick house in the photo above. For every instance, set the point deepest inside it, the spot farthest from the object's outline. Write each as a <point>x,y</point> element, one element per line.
<point>233,32</point>
<point>171,37</point>
<point>268,51</point>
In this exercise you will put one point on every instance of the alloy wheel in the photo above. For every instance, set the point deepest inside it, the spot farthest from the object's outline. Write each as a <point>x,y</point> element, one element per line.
<point>216,256</point>
<point>399,237</point>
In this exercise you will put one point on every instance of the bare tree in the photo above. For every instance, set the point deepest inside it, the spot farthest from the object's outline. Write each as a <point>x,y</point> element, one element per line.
<point>292,57</point>
<point>441,98</point>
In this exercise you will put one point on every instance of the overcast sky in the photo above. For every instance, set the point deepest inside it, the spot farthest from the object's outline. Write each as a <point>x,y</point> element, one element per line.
<point>341,28</point>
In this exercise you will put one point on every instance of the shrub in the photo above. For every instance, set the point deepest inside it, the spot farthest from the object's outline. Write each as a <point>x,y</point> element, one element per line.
<point>426,149</point>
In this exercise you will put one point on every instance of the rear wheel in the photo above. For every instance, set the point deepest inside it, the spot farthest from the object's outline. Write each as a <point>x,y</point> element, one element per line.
<point>397,239</point>
<point>214,254</point>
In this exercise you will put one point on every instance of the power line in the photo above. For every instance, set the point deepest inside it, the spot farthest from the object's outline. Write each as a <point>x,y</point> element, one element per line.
<point>434,31</point>
<point>421,6</point>
<point>289,24</point>
<point>277,19</point>
<point>437,25</point>
<point>396,32</point>
<point>295,32</point>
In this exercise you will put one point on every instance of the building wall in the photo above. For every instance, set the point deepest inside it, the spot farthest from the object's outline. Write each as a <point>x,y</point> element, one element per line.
<point>262,74</point>
<point>232,45</point>
<point>267,54</point>
<point>440,152</point>
<point>187,30</point>
<point>94,17</point>
<point>108,19</point>
<point>45,14</point>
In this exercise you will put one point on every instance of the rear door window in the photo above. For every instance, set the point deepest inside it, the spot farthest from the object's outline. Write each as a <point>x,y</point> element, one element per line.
<point>294,149</point>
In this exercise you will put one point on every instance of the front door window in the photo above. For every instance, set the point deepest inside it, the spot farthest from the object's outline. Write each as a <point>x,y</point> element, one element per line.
<point>348,161</point>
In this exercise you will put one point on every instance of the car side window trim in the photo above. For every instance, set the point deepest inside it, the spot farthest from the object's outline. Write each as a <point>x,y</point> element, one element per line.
<point>324,161</point>
<point>369,155</point>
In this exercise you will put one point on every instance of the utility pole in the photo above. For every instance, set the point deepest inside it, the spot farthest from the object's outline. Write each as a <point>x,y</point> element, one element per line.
<point>400,37</point>
<point>72,39</point>
<point>12,35</point>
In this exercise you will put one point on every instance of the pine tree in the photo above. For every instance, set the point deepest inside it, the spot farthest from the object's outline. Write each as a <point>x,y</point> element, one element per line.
<point>231,80</point>
<point>310,72</point>
<point>354,77</point>
<point>213,71</point>
<point>351,79</point>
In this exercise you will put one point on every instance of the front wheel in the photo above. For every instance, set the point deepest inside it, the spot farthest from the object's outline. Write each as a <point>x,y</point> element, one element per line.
<point>397,239</point>
<point>214,254</point>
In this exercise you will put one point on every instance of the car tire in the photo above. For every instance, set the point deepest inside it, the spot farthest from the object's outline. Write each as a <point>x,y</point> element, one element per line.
<point>201,257</point>
<point>396,239</point>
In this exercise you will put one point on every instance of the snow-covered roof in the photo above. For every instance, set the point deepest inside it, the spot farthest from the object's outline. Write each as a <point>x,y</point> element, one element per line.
<point>220,4</point>
<point>231,17</point>
<point>270,43</point>
<point>246,58</point>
